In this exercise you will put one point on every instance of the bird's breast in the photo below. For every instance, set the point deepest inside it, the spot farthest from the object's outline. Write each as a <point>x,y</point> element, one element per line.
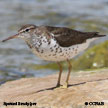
<point>54,52</point>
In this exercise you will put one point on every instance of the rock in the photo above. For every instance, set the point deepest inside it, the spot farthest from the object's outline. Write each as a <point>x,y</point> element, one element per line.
<point>88,86</point>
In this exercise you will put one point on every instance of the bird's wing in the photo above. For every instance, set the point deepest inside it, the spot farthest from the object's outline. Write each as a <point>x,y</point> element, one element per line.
<point>67,37</point>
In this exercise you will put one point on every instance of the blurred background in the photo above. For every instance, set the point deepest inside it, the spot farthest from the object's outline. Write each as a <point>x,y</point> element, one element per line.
<point>16,59</point>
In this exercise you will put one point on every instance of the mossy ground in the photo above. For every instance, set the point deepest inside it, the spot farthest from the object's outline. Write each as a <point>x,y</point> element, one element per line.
<point>93,58</point>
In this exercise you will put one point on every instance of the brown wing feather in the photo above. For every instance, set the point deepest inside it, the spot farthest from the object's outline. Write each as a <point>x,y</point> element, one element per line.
<point>67,37</point>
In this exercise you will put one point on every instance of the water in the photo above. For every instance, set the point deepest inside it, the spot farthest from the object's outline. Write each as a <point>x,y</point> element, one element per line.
<point>16,60</point>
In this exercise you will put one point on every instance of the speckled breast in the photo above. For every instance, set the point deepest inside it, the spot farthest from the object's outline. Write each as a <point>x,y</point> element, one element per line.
<point>54,52</point>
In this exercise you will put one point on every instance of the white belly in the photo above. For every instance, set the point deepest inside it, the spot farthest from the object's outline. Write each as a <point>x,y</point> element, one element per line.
<point>54,52</point>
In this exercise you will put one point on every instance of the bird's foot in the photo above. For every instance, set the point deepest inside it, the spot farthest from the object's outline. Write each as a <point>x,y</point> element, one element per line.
<point>64,86</point>
<point>61,86</point>
<point>57,86</point>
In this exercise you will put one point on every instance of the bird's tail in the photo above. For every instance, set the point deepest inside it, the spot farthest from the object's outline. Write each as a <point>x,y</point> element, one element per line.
<point>96,34</point>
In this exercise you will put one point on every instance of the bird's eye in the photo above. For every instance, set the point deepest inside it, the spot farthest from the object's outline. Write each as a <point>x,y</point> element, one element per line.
<point>27,30</point>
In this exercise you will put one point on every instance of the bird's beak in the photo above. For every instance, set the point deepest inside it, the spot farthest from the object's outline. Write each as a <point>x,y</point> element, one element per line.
<point>11,37</point>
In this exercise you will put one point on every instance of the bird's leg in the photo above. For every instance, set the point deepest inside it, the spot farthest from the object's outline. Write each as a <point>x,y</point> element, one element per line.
<point>69,71</point>
<point>60,72</point>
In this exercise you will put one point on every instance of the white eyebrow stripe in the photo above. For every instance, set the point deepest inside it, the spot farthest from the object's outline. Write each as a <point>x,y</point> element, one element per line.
<point>26,28</point>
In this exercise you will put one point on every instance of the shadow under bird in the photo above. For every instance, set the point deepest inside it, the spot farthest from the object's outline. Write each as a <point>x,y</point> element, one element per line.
<point>55,43</point>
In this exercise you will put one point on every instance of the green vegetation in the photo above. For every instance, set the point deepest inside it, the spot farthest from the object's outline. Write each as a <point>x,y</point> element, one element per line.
<point>95,57</point>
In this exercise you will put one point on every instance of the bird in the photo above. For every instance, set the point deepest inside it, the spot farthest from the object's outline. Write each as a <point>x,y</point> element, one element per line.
<point>55,44</point>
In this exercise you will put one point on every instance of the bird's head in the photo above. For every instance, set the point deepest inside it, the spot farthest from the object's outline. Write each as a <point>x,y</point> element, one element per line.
<point>25,32</point>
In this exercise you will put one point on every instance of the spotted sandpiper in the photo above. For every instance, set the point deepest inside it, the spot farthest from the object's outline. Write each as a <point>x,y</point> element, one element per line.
<point>55,43</point>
